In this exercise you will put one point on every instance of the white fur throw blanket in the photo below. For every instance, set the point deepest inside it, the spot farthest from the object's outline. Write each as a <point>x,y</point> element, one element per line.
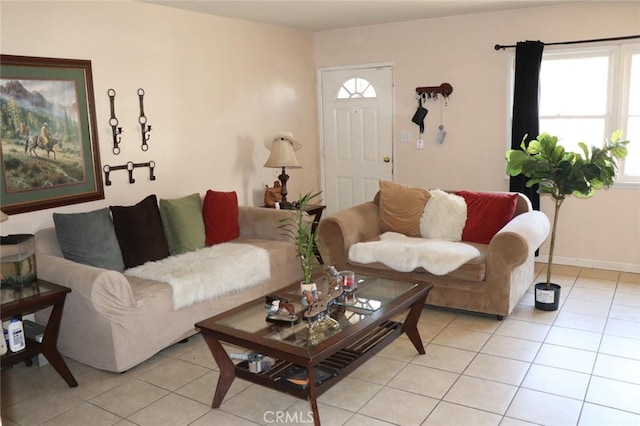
<point>405,254</point>
<point>208,272</point>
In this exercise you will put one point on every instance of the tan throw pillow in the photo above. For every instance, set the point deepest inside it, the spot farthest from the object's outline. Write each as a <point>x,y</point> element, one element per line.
<point>401,208</point>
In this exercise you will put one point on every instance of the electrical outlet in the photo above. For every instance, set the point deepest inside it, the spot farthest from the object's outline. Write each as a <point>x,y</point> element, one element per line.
<point>420,144</point>
<point>405,136</point>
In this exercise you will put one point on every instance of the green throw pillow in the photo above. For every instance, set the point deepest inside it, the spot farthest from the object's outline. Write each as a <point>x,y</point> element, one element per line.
<point>183,223</point>
<point>89,238</point>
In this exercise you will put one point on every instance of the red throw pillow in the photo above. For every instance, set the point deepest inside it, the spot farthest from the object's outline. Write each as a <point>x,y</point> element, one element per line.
<point>487,213</point>
<point>220,213</point>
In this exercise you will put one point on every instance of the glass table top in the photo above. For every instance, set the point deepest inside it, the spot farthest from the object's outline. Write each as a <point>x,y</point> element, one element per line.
<point>14,294</point>
<point>347,310</point>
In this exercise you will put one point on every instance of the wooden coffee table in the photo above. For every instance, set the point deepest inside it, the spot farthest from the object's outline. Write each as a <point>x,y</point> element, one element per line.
<point>366,325</point>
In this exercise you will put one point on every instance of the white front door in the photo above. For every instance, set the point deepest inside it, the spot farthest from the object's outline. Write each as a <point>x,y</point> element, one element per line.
<point>357,133</point>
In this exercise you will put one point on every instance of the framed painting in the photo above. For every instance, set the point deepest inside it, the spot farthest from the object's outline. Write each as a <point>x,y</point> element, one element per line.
<point>50,155</point>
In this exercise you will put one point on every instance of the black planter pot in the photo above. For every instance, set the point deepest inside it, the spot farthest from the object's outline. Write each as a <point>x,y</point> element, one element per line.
<point>547,300</point>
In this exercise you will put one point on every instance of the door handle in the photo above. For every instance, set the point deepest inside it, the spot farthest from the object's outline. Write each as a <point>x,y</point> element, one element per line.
<point>386,159</point>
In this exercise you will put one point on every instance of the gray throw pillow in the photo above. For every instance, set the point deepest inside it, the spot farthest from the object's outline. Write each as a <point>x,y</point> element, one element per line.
<point>89,238</point>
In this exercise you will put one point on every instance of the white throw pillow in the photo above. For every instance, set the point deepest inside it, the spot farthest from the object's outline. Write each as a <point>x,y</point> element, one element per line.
<point>444,216</point>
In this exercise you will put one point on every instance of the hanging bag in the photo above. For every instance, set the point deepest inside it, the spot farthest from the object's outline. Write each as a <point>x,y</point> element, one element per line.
<point>418,117</point>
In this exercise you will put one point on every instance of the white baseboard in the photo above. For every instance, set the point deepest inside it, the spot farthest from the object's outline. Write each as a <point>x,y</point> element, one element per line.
<point>590,263</point>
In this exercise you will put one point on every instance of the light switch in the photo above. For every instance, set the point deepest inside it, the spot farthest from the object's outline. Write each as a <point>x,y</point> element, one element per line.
<point>405,136</point>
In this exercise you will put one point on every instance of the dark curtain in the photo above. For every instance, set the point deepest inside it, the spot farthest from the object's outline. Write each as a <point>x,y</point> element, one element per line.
<point>525,108</point>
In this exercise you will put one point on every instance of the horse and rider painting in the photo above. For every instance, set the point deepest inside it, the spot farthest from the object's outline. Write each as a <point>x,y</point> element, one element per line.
<point>47,106</point>
<point>42,141</point>
<point>37,116</point>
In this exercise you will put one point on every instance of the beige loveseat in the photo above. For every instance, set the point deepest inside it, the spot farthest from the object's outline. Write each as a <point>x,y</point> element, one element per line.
<point>114,322</point>
<point>491,283</point>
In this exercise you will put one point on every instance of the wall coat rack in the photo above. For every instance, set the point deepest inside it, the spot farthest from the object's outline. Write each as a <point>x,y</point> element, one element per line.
<point>129,167</point>
<point>431,92</point>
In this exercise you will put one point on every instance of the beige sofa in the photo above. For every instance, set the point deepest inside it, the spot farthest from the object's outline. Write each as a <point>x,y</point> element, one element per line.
<point>113,322</point>
<point>491,283</point>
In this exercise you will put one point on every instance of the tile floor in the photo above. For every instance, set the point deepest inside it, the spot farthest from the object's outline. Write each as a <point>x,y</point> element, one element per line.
<point>579,365</point>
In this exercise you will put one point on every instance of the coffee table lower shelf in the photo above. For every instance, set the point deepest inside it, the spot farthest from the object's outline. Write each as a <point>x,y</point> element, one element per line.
<point>337,365</point>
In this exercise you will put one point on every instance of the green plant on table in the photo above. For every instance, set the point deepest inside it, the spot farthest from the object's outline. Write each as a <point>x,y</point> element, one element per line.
<point>560,173</point>
<point>300,229</point>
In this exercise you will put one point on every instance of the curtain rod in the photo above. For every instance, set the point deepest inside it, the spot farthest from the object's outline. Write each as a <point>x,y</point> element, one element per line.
<point>500,46</point>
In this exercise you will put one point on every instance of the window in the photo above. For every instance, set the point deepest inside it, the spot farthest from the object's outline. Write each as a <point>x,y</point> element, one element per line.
<point>586,94</point>
<point>631,113</point>
<point>356,88</point>
<point>573,98</point>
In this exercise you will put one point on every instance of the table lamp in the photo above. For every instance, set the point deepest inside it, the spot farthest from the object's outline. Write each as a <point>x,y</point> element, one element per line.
<point>282,146</point>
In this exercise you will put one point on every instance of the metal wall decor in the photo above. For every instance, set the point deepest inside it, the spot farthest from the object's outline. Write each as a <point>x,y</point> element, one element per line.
<point>129,168</point>
<point>145,130</point>
<point>113,122</point>
<point>117,131</point>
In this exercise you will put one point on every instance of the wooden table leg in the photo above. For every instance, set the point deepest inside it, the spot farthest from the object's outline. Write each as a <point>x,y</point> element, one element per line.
<point>411,324</point>
<point>313,394</point>
<point>49,344</point>
<point>226,367</point>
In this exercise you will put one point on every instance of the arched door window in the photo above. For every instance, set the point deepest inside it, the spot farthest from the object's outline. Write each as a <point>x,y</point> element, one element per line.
<point>356,88</point>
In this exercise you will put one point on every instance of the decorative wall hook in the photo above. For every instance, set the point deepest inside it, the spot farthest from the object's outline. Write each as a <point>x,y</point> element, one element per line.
<point>113,122</point>
<point>129,167</point>
<point>445,89</point>
<point>145,130</point>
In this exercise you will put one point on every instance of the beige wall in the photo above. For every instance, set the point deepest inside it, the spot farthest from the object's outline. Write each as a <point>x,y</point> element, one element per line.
<point>460,50</point>
<point>215,87</point>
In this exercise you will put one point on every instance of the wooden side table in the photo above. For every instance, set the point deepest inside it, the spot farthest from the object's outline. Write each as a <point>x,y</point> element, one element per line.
<point>314,210</point>
<point>26,300</point>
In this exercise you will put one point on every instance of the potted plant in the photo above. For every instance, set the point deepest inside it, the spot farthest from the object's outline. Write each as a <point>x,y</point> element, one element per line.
<point>560,173</point>
<point>300,229</point>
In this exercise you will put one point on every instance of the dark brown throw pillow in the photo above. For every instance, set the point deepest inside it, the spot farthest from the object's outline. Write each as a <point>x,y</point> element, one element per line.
<point>139,231</point>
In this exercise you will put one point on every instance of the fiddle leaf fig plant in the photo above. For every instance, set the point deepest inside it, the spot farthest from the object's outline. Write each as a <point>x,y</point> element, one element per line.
<point>560,173</point>
<point>300,229</point>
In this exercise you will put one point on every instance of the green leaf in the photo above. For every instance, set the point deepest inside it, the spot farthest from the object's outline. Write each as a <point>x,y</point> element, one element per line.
<point>515,161</point>
<point>619,150</point>
<point>585,150</point>
<point>534,147</point>
<point>615,136</point>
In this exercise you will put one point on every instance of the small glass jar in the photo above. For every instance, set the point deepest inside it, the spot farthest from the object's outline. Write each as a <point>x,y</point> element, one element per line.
<point>348,281</point>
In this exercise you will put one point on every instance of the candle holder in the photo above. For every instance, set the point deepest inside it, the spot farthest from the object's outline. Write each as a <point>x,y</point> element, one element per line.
<point>113,122</point>
<point>144,128</point>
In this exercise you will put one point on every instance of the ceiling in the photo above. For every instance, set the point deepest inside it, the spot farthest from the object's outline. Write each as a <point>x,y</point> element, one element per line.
<point>322,15</point>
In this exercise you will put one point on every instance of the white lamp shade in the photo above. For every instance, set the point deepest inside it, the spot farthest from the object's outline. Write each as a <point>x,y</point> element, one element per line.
<point>282,154</point>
